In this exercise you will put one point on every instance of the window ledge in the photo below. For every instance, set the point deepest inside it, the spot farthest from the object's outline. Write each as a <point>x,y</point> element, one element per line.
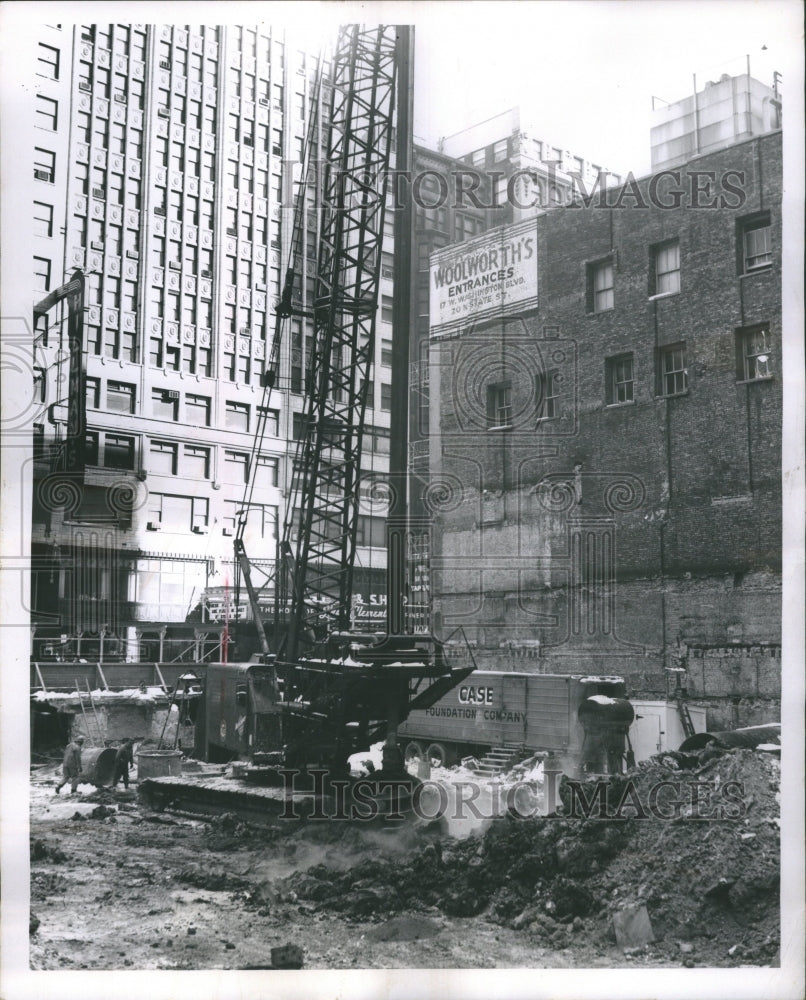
<point>752,381</point>
<point>673,395</point>
<point>756,270</point>
<point>663,295</point>
<point>601,312</point>
<point>615,406</point>
<point>500,428</point>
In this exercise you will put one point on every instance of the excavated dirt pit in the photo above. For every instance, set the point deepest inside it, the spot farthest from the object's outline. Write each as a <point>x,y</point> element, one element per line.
<point>115,887</point>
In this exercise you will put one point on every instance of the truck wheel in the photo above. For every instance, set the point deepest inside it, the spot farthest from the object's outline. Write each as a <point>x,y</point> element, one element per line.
<point>413,751</point>
<point>437,755</point>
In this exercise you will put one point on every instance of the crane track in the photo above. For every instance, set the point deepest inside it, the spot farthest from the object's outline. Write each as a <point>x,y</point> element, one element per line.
<point>267,806</point>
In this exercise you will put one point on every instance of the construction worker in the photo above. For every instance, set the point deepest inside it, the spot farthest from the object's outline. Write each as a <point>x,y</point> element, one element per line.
<point>71,765</point>
<point>392,760</point>
<point>123,761</point>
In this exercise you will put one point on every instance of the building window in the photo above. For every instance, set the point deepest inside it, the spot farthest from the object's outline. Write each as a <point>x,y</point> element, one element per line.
<point>112,285</point>
<point>93,392</point>
<point>500,150</point>
<point>259,521</point>
<point>101,81</point>
<point>755,243</point>
<point>266,471</point>
<point>673,370</point>
<point>130,295</point>
<point>120,397</point>
<point>117,139</point>
<point>43,219</point>
<point>47,113</point>
<point>91,448</point>
<point>197,410</point>
<point>387,309</point>
<point>158,260</point>
<point>600,286</point>
<point>188,361</point>
<point>196,462</point>
<point>157,293</point>
<point>236,467</point>
<point>162,458</point>
<point>386,352</point>
<point>119,452</point>
<point>499,404</point>
<point>165,404</point>
<point>466,226</point>
<point>47,62</point>
<point>271,420</point>
<point>298,426</point>
<point>44,164</point>
<point>237,416</point>
<point>548,400</point>
<point>619,379</point>
<point>386,396</point>
<point>172,357</point>
<point>133,190</point>
<point>41,274</point>
<point>200,513</point>
<point>753,353</point>
<point>371,531</point>
<point>665,273</point>
<point>115,189</point>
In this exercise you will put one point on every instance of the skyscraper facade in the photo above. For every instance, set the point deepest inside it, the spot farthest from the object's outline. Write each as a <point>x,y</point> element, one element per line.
<point>165,170</point>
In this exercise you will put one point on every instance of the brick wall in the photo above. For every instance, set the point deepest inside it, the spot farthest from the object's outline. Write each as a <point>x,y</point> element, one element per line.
<point>653,525</point>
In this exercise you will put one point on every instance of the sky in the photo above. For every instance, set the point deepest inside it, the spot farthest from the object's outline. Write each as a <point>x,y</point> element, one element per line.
<point>584,73</point>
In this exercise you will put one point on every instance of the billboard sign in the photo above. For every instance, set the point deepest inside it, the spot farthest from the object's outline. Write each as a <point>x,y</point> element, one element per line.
<point>490,276</point>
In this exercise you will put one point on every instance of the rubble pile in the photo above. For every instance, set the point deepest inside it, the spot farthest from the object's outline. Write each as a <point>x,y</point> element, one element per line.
<point>694,840</point>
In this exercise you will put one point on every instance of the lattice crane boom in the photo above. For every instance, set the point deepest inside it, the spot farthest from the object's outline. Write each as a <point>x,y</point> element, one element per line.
<point>321,531</point>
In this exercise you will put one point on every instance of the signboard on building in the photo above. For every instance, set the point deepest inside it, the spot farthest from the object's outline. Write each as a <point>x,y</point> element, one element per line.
<point>368,610</point>
<point>492,275</point>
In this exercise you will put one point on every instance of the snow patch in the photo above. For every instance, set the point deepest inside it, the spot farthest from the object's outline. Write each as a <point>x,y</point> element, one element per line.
<point>151,694</point>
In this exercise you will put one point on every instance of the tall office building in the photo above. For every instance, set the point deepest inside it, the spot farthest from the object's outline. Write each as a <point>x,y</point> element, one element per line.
<point>164,169</point>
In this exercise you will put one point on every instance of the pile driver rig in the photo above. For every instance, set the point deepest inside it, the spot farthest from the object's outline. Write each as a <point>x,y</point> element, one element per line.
<point>324,691</point>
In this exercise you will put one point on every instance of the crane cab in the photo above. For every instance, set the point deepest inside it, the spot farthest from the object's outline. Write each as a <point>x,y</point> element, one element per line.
<point>240,718</point>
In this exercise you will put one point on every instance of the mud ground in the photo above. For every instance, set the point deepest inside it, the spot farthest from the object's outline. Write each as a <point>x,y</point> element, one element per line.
<point>116,887</point>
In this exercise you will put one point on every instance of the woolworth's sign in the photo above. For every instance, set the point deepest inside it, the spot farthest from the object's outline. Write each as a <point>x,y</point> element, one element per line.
<point>492,275</point>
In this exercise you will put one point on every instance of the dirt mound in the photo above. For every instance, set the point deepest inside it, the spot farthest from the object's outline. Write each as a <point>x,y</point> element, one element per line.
<point>42,851</point>
<point>211,880</point>
<point>694,840</point>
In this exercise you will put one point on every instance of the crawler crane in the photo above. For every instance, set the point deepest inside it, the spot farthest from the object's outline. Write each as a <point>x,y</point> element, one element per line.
<point>325,691</point>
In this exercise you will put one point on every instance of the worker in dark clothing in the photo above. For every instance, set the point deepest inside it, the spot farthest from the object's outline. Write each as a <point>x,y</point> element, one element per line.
<point>392,759</point>
<point>123,761</point>
<point>71,765</point>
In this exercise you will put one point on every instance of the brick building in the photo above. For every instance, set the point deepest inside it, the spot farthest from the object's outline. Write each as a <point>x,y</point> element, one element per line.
<point>605,435</point>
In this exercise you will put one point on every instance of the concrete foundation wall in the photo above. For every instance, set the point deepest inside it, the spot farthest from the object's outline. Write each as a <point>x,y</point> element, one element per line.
<point>119,722</point>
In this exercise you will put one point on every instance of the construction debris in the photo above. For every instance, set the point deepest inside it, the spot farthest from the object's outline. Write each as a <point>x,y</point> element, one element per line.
<point>685,868</point>
<point>644,878</point>
<point>287,956</point>
<point>632,927</point>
